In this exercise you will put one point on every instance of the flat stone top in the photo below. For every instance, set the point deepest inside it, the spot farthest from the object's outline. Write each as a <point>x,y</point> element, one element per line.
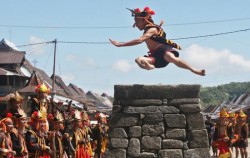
<point>156,91</point>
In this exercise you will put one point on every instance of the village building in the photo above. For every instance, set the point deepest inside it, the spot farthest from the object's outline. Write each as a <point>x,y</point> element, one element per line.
<point>18,74</point>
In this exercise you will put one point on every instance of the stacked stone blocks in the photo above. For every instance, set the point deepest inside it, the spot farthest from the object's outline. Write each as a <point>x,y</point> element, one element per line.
<point>151,121</point>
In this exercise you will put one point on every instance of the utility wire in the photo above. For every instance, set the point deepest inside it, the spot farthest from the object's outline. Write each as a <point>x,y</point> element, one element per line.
<point>117,27</point>
<point>208,22</point>
<point>25,45</point>
<point>83,42</point>
<point>217,34</point>
<point>182,38</point>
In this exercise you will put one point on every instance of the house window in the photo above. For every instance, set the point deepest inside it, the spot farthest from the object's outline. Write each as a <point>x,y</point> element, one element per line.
<point>3,80</point>
<point>12,81</point>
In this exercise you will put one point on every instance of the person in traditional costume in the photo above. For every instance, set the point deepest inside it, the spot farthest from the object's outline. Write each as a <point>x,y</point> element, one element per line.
<point>242,130</point>
<point>78,140</point>
<point>87,130</point>
<point>41,102</point>
<point>36,137</point>
<point>100,135</point>
<point>231,126</point>
<point>67,133</point>
<point>18,135</point>
<point>6,127</point>
<point>161,50</point>
<point>223,134</point>
<point>56,137</point>
<point>210,128</point>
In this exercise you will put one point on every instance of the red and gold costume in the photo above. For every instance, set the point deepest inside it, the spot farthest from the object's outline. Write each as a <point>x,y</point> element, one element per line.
<point>18,135</point>
<point>223,134</point>
<point>41,103</point>
<point>55,137</point>
<point>88,133</point>
<point>242,130</point>
<point>5,139</point>
<point>100,136</point>
<point>78,138</point>
<point>35,138</point>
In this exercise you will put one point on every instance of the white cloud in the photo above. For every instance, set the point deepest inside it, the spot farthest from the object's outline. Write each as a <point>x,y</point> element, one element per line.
<point>86,61</point>
<point>123,66</point>
<point>67,78</point>
<point>71,58</point>
<point>36,49</point>
<point>215,61</point>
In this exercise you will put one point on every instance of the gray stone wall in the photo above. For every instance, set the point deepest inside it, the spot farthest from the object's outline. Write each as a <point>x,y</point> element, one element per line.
<point>151,121</point>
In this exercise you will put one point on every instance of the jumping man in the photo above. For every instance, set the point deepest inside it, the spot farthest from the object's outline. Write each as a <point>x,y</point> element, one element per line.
<point>161,50</point>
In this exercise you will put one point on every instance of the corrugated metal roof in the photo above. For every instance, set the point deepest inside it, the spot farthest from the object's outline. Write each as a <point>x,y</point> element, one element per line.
<point>11,57</point>
<point>7,45</point>
<point>9,73</point>
<point>9,54</point>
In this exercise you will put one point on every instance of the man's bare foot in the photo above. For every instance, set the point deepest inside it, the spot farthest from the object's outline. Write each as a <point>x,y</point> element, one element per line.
<point>200,72</point>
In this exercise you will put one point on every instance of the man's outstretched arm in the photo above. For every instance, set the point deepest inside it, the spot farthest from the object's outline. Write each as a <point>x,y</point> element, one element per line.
<point>140,40</point>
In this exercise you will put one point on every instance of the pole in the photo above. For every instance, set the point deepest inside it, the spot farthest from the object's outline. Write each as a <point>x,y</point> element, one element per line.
<point>54,77</point>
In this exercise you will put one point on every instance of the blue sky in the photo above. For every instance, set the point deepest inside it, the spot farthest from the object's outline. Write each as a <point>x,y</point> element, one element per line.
<point>98,67</point>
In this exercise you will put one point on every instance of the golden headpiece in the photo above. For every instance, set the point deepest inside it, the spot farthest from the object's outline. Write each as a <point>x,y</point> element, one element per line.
<point>223,112</point>
<point>38,116</point>
<point>85,116</point>
<point>16,97</point>
<point>58,117</point>
<point>42,89</point>
<point>77,115</point>
<point>21,114</point>
<point>242,114</point>
<point>232,115</point>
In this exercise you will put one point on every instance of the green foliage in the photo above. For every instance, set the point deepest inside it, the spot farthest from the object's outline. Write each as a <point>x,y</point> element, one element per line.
<point>216,95</point>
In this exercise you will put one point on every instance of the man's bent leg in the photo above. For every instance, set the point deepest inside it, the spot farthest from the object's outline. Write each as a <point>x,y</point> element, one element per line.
<point>170,57</point>
<point>145,63</point>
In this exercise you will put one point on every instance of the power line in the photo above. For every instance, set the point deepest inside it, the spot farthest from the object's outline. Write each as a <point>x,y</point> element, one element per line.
<point>117,27</point>
<point>217,34</point>
<point>208,22</point>
<point>182,38</point>
<point>25,45</point>
<point>83,42</point>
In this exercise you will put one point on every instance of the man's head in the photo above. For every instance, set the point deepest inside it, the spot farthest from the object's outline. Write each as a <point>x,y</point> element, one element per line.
<point>77,119</point>
<point>241,117</point>
<point>38,121</point>
<point>101,118</point>
<point>223,116</point>
<point>142,18</point>
<point>58,121</point>
<point>85,119</point>
<point>6,124</point>
<point>21,118</point>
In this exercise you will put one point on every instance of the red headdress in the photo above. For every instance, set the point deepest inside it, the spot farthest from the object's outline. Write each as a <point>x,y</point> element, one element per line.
<point>5,122</point>
<point>38,116</point>
<point>145,14</point>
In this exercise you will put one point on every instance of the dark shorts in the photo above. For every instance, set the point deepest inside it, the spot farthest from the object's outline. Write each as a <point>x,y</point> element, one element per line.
<point>158,56</point>
<point>241,143</point>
